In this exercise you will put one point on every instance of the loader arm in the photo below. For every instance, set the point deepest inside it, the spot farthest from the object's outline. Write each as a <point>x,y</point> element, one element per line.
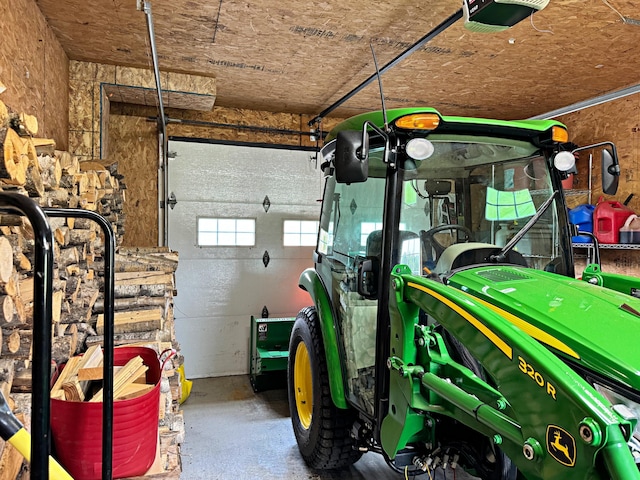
<point>620,283</point>
<point>545,417</point>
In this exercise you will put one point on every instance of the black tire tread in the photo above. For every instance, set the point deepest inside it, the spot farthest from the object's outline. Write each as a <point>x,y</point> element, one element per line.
<point>334,447</point>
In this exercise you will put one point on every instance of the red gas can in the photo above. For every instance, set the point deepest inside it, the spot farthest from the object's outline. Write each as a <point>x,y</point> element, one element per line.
<point>608,218</point>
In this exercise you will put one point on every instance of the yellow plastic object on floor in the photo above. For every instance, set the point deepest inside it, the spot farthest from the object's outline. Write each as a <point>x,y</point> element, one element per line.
<point>186,385</point>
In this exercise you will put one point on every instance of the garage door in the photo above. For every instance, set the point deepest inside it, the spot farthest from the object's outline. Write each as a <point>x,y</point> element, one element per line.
<point>225,276</point>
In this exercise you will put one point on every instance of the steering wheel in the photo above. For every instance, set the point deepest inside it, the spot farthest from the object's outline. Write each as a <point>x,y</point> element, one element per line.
<point>429,241</point>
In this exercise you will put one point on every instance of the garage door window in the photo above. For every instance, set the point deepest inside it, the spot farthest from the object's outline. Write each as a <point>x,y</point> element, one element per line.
<point>300,233</point>
<point>228,232</point>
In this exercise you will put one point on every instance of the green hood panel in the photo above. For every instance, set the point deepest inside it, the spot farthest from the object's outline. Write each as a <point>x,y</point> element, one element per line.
<point>590,325</point>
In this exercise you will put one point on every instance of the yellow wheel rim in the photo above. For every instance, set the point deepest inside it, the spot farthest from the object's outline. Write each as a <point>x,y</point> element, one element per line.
<point>303,385</point>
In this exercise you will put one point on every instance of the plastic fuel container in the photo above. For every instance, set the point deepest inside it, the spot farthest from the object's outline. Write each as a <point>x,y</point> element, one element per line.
<point>630,231</point>
<point>582,216</point>
<point>608,219</point>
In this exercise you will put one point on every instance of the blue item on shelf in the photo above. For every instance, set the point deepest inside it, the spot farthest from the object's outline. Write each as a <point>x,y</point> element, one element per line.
<point>582,216</point>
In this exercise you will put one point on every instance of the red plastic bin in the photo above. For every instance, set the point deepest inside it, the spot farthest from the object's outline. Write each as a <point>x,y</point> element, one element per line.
<point>76,427</point>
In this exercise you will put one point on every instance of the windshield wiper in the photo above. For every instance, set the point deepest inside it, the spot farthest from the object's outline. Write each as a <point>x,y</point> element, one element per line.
<point>502,255</point>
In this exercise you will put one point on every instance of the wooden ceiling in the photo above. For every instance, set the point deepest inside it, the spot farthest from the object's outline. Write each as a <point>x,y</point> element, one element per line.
<point>299,56</point>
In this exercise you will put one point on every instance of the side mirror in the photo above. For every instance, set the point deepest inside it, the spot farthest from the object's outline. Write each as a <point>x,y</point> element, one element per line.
<point>327,152</point>
<point>610,171</point>
<point>368,271</point>
<point>352,157</point>
<point>609,164</point>
<point>437,187</point>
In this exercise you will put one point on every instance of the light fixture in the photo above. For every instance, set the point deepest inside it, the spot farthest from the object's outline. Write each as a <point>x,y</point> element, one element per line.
<point>419,148</point>
<point>418,121</point>
<point>564,161</point>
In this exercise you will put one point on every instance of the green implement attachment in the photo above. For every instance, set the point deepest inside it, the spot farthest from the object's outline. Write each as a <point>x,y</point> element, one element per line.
<point>269,352</point>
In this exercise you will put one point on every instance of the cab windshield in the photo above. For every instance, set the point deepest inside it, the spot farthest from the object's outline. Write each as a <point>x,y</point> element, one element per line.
<point>477,192</point>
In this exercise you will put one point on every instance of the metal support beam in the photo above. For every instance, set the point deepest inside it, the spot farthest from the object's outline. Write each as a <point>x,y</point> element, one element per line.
<point>607,97</point>
<point>234,126</point>
<point>163,171</point>
<point>156,70</point>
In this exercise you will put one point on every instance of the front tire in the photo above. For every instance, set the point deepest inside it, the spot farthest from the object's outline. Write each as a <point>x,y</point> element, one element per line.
<point>321,429</point>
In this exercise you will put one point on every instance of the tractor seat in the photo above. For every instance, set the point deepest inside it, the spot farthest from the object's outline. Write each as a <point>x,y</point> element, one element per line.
<point>374,242</point>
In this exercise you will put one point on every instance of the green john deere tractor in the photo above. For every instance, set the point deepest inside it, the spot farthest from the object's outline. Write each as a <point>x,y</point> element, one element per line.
<point>448,327</point>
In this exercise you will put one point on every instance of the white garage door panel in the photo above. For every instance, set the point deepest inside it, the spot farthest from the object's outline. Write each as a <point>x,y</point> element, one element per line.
<point>183,221</point>
<point>219,288</point>
<point>221,346</point>
<point>243,175</point>
<point>245,289</point>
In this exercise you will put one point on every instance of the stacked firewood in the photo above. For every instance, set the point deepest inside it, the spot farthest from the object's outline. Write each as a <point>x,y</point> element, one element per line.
<point>143,304</point>
<point>54,178</point>
<point>144,278</point>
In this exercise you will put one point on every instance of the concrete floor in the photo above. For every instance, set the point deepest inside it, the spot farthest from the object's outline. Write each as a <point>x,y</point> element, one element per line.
<point>234,433</point>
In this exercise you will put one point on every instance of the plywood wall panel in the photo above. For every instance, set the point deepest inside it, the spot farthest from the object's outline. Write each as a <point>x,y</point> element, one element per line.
<point>137,77</point>
<point>104,122</point>
<point>90,82</point>
<point>618,122</point>
<point>623,262</point>
<point>133,144</point>
<point>34,68</point>
<point>80,104</point>
<point>105,73</point>
<point>55,117</point>
<point>82,70</point>
<point>80,143</point>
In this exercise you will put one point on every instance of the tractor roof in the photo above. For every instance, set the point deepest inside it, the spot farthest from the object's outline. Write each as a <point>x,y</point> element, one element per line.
<point>452,124</point>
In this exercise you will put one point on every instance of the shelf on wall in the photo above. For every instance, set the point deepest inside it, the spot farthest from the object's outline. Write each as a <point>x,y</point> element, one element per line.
<point>609,246</point>
<point>574,193</point>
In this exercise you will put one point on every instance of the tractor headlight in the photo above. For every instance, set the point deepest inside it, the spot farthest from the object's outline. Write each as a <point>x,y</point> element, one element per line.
<point>419,148</point>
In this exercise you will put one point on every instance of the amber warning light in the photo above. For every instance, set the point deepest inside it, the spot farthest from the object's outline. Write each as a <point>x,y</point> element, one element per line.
<point>419,121</point>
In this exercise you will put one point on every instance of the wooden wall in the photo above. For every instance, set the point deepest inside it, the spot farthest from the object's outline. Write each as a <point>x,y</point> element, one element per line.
<point>619,122</point>
<point>134,143</point>
<point>132,139</point>
<point>34,68</point>
<point>92,86</point>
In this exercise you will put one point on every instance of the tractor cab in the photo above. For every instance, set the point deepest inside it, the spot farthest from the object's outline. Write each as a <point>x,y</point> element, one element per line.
<point>456,195</point>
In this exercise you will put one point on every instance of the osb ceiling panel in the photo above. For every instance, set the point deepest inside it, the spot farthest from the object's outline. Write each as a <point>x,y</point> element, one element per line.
<point>300,56</point>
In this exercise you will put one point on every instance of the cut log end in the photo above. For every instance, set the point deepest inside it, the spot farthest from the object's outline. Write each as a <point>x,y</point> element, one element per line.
<point>12,169</point>
<point>6,260</point>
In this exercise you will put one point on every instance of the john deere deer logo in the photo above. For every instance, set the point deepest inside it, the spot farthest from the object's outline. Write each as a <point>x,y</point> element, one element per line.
<point>561,445</point>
